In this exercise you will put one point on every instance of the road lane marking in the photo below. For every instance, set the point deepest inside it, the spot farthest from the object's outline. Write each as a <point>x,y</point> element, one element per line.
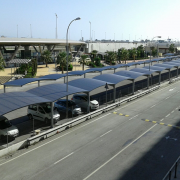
<point>170,125</point>
<point>172,111</point>
<point>105,133</point>
<point>120,114</point>
<point>134,117</point>
<point>168,97</point>
<point>64,158</point>
<point>54,139</point>
<point>162,119</point>
<point>153,106</point>
<point>118,153</point>
<point>168,115</point>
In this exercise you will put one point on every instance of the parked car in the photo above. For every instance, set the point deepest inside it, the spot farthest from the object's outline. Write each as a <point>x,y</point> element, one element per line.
<point>42,112</point>
<point>73,109</point>
<point>82,101</point>
<point>7,129</point>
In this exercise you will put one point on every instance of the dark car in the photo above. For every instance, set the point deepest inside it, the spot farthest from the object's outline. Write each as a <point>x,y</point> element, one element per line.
<point>73,108</point>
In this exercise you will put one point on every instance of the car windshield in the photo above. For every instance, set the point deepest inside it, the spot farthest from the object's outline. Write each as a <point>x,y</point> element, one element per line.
<point>46,107</point>
<point>5,124</point>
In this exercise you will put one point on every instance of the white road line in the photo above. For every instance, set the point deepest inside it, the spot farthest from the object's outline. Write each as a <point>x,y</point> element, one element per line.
<point>134,117</point>
<point>118,153</point>
<point>172,111</point>
<point>53,140</point>
<point>176,108</point>
<point>105,133</point>
<point>162,119</point>
<point>168,115</point>
<point>168,97</point>
<point>153,106</point>
<point>64,158</point>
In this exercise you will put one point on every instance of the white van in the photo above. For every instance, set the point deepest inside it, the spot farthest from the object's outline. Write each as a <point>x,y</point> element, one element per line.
<point>42,112</point>
<point>82,101</point>
<point>7,129</point>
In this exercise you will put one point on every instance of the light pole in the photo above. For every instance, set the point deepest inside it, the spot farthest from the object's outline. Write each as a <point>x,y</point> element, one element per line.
<point>56,24</point>
<point>90,31</point>
<point>68,50</point>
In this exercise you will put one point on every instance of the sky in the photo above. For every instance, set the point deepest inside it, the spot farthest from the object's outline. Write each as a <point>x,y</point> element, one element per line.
<point>110,19</point>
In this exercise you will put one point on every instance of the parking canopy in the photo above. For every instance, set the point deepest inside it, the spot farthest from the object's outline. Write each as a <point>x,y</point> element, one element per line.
<point>157,68</point>
<point>168,66</point>
<point>176,64</point>
<point>15,100</point>
<point>54,92</point>
<point>77,73</point>
<point>22,82</point>
<point>54,76</point>
<point>88,84</point>
<point>143,70</point>
<point>132,75</point>
<point>113,78</point>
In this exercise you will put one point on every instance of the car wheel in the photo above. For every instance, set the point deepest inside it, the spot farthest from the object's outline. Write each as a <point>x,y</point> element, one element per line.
<point>30,117</point>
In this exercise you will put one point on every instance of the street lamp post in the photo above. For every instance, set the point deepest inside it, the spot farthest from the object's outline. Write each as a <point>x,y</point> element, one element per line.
<point>56,24</point>
<point>68,50</point>
<point>78,18</point>
<point>90,31</point>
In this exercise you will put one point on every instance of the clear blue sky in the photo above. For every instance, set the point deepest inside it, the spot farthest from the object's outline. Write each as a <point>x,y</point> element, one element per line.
<point>122,19</point>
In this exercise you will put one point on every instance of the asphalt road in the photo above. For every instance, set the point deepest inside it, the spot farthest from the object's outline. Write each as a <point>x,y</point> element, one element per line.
<point>138,142</point>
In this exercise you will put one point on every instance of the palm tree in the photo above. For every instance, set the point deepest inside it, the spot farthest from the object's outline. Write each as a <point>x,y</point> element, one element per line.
<point>62,60</point>
<point>134,53</point>
<point>124,54</point>
<point>82,60</point>
<point>2,63</point>
<point>46,55</point>
<point>111,56</point>
<point>171,48</point>
<point>94,53</point>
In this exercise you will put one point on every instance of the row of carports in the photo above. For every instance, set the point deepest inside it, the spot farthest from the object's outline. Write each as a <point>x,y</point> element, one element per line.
<point>52,92</point>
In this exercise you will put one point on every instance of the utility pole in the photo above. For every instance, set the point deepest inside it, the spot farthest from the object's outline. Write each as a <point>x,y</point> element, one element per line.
<point>56,25</point>
<point>90,31</point>
<point>17,31</point>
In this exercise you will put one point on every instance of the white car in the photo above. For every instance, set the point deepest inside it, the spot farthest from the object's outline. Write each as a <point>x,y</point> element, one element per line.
<point>7,129</point>
<point>82,101</point>
<point>42,112</point>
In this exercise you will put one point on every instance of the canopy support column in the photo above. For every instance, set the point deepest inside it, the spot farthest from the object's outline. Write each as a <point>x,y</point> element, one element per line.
<point>101,73</point>
<point>88,107</point>
<point>177,72</point>
<point>114,70</point>
<point>148,82</point>
<point>52,109</point>
<point>133,86</point>
<point>159,78</point>
<point>38,83</point>
<point>144,64</point>
<point>114,97</point>
<point>64,79</point>
<point>4,89</point>
<point>169,74</point>
<point>85,75</point>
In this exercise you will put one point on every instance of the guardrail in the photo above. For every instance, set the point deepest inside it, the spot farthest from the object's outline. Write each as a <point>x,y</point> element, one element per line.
<point>172,169</point>
<point>58,129</point>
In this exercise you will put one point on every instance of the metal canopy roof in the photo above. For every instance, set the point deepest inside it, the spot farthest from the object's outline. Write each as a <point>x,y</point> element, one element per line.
<point>19,61</point>
<point>54,76</point>
<point>21,82</point>
<point>77,73</point>
<point>121,65</point>
<point>15,100</point>
<point>54,92</point>
<point>143,70</point>
<point>157,68</point>
<point>176,64</point>
<point>133,63</point>
<point>88,84</point>
<point>113,78</point>
<point>94,69</point>
<point>165,65</point>
<point>130,74</point>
